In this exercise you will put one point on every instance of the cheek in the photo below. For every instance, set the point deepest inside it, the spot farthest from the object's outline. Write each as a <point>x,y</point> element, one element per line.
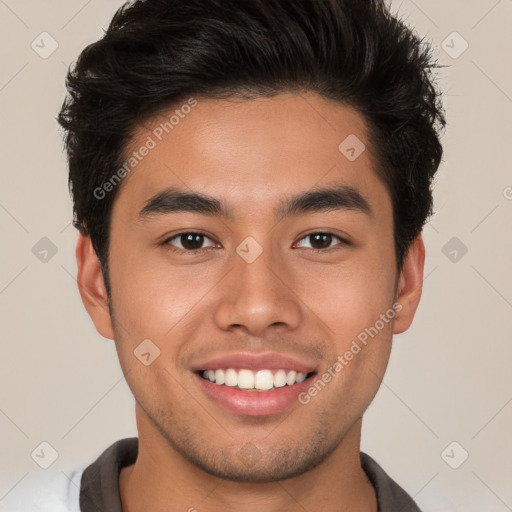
<point>154,308</point>
<point>348,297</point>
<point>150,298</point>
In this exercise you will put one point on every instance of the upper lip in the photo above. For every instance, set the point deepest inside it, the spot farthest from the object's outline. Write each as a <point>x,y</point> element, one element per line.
<point>267,360</point>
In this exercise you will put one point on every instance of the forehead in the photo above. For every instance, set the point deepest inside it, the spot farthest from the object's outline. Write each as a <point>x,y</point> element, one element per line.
<point>253,152</point>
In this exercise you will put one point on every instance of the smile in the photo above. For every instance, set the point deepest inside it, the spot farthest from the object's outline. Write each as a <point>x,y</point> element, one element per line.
<point>239,393</point>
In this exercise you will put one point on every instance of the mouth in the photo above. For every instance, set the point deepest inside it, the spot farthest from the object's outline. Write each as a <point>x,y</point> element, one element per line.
<point>246,392</point>
<point>263,380</point>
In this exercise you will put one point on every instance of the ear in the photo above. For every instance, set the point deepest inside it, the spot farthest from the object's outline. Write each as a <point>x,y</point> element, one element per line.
<point>410,285</point>
<point>92,286</point>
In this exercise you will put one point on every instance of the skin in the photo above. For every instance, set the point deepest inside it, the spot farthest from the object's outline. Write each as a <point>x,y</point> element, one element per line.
<point>290,300</point>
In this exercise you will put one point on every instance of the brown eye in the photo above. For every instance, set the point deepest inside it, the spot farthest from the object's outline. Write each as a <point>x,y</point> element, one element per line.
<point>187,242</point>
<point>191,241</point>
<point>322,242</point>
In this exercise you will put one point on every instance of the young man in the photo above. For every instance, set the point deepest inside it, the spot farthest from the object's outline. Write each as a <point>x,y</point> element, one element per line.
<point>250,182</point>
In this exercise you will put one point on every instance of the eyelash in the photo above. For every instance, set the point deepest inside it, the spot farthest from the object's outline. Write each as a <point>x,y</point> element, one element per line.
<point>198,251</point>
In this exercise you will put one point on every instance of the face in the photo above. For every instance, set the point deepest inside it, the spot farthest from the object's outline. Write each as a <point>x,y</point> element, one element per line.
<point>248,274</point>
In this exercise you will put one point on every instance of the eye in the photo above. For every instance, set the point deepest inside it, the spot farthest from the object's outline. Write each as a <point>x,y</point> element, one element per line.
<point>321,242</point>
<point>188,241</point>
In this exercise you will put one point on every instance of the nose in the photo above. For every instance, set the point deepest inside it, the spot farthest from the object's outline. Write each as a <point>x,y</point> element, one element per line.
<point>258,296</point>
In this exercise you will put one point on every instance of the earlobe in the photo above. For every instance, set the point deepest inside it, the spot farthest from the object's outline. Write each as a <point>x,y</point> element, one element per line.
<point>91,286</point>
<point>410,285</point>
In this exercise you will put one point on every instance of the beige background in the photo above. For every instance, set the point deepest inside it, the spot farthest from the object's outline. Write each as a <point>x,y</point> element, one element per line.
<point>449,377</point>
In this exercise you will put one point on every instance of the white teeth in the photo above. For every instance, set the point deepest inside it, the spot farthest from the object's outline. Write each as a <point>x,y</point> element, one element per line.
<point>280,379</point>
<point>219,376</point>
<point>261,380</point>
<point>290,378</point>
<point>245,379</point>
<point>231,377</point>
<point>300,377</point>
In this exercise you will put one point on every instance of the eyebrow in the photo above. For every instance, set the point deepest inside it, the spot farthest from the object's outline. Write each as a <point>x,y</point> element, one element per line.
<point>174,200</point>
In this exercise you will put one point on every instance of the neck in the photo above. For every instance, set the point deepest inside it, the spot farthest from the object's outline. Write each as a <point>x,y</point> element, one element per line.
<point>162,480</point>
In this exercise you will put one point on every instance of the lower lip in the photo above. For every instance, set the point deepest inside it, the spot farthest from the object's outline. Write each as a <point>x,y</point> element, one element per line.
<point>253,403</point>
